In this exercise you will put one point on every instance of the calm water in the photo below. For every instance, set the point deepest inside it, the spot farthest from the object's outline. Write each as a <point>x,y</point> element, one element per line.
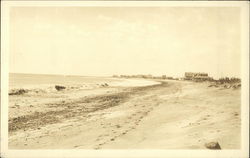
<point>29,80</point>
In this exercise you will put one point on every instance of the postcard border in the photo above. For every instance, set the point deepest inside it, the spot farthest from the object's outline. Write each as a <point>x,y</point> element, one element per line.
<point>244,152</point>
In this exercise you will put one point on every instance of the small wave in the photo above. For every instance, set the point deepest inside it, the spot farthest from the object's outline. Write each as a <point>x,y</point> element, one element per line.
<point>43,89</point>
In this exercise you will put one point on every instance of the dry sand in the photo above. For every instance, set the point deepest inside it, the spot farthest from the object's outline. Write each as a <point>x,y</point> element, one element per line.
<point>170,115</point>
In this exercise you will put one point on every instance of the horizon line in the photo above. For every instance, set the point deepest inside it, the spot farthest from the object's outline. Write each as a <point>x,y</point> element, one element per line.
<point>110,75</point>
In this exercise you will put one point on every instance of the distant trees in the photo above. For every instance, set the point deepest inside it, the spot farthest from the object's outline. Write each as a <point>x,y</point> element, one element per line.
<point>149,76</point>
<point>188,76</point>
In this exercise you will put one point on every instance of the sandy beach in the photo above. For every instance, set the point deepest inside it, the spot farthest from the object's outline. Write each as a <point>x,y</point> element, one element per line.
<point>127,114</point>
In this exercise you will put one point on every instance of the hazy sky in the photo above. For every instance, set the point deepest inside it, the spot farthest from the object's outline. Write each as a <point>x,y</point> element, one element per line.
<point>125,40</point>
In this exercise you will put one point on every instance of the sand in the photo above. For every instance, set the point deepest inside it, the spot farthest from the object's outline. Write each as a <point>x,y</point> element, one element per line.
<point>166,115</point>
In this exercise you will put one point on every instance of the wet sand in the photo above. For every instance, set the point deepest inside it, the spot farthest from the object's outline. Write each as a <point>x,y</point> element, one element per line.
<point>170,115</point>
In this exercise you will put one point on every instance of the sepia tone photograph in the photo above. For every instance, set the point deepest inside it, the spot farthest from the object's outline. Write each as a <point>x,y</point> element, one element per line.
<point>125,78</point>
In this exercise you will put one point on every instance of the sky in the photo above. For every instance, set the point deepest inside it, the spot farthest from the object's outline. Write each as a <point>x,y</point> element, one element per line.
<point>101,41</point>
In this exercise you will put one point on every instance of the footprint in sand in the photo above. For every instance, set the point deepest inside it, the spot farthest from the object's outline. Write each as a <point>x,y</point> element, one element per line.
<point>101,142</point>
<point>100,137</point>
<point>145,113</point>
<point>123,133</point>
<point>133,127</point>
<point>114,132</point>
<point>118,126</point>
<point>137,122</point>
<point>106,141</point>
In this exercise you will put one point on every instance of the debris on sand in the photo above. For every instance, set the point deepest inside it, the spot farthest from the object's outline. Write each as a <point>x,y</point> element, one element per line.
<point>59,87</point>
<point>213,85</point>
<point>213,145</point>
<point>18,91</point>
<point>237,86</point>
<point>15,106</point>
<point>104,85</point>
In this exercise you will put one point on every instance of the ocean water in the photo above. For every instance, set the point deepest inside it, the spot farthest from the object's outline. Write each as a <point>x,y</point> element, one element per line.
<point>17,80</point>
<point>46,83</point>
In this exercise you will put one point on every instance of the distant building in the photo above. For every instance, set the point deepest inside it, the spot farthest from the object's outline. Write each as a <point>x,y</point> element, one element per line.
<point>197,76</point>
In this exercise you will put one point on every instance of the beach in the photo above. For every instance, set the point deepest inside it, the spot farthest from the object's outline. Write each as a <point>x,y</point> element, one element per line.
<point>118,113</point>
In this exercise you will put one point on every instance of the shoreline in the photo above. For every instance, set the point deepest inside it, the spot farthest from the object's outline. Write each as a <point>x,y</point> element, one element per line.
<point>22,122</point>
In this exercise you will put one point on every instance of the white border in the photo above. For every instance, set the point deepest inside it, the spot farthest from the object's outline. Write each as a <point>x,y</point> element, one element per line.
<point>244,152</point>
